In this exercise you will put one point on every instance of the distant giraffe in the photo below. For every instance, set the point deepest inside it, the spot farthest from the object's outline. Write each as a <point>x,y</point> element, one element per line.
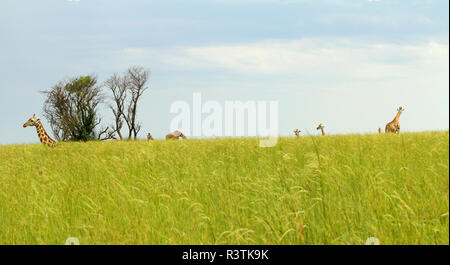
<point>320,127</point>
<point>149,137</point>
<point>394,125</point>
<point>175,135</point>
<point>297,132</point>
<point>43,136</point>
<point>379,130</point>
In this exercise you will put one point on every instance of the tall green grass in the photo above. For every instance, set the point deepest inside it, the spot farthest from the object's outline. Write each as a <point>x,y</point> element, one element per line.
<point>311,190</point>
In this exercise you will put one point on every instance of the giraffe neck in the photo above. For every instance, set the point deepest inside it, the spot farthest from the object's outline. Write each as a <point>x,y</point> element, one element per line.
<point>323,133</point>
<point>43,136</point>
<point>397,117</point>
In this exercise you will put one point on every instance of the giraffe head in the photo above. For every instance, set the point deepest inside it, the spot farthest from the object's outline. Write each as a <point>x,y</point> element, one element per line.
<point>400,109</point>
<point>320,127</point>
<point>297,132</point>
<point>33,121</point>
<point>149,136</point>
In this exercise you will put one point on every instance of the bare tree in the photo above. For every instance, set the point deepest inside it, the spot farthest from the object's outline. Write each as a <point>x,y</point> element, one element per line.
<point>118,86</point>
<point>126,91</point>
<point>109,134</point>
<point>137,77</point>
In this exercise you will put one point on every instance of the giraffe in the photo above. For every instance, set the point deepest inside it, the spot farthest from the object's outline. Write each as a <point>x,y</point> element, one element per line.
<point>320,127</point>
<point>149,137</point>
<point>175,135</point>
<point>43,136</point>
<point>297,132</point>
<point>394,125</point>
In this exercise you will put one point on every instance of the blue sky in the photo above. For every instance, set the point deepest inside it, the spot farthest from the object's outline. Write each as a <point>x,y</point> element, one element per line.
<point>348,64</point>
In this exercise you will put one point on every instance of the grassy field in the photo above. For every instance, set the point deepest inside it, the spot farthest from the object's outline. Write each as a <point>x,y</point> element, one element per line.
<point>312,190</point>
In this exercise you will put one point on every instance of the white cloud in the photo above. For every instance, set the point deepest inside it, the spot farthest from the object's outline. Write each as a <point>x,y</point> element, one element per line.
<point>321,58</point>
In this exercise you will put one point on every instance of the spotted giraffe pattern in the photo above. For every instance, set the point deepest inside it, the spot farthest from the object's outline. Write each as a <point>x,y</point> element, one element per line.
<point>42,134</point>
<point>394,125</point>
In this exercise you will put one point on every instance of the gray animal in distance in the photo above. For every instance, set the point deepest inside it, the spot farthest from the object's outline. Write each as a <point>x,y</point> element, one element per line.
<point>175,135</point>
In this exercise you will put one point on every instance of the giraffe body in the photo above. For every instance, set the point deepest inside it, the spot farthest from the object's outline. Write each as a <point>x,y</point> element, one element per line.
<point>394,125</point>
<point>320,127</point>
<point>175,135</point>
<point>42,134</point>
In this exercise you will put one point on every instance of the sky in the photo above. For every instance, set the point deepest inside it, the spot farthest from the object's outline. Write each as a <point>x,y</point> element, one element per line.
<point>348,64</point>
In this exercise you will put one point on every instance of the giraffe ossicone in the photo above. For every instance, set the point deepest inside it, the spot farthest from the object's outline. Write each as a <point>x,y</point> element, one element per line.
<point>320,127</point>
<point>394,125</point>
<point>42,134</point>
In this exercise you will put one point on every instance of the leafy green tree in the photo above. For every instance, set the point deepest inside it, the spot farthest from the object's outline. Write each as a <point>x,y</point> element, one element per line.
<point>71,107</point>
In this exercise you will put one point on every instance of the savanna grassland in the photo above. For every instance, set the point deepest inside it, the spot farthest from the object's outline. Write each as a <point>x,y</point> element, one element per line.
<point>311,190</point>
